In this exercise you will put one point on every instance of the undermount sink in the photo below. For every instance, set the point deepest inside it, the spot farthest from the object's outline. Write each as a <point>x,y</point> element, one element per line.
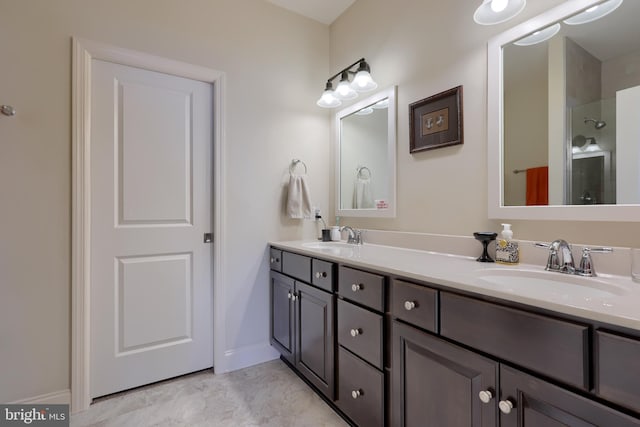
<point>548,284</point>
<point>328,245</point>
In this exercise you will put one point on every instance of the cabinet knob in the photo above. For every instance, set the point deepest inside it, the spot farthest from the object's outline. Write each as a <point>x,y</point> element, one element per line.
<point>505,406</point>
<point>409,305</point>
<point>485,396</point>
<point>356,393</point>
<point>294,296</point>
<point>356,287</point>
<point>321,274</point>
<point>289,295</point>
<point>274,260</point>
<point>356,332</point>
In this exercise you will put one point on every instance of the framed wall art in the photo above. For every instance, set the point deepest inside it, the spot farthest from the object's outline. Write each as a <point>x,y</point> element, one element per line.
<point>436,121</point>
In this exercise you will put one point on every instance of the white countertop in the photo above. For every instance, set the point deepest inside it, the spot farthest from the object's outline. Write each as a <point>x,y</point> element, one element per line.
<point>606,298</point>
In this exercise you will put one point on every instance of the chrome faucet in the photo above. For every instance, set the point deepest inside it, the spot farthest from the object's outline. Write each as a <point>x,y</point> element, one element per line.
<point>561,258</point>
<point>355,235</point>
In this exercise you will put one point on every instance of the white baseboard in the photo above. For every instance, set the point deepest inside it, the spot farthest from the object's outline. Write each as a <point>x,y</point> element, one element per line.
<point>246,356</point>
<point>61,397</point>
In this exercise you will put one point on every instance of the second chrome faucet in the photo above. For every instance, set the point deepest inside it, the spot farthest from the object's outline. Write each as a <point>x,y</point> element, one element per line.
<point>355,235</point>
<point>561,258</point>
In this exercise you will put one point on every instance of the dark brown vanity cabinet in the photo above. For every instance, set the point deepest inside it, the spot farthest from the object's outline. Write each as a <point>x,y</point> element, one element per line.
<point>441,383</point>
<point>418,354</point>
<point>527,401</point>
<point>361,340</point>
<point>302,329</point>
<point>436,383</point>
<point>618,369</point>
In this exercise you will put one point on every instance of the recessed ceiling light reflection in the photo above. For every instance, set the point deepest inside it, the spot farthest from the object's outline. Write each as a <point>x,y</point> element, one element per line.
<point>365,111</point>
<point>539,36</point>
<point>594,12</point>
<point>381,104</point>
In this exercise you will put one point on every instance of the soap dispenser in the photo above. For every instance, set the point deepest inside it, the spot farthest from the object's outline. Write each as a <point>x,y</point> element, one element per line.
<point>507,250</point>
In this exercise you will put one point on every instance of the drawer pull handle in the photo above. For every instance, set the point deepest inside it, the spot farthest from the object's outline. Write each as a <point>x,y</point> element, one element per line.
<point>505,406</point>
<point>409,305</point>
<point>319,274</point>
<point>485,396</point>
<point>356,393</point>
<point>356,332</point>
<point>356,287</point>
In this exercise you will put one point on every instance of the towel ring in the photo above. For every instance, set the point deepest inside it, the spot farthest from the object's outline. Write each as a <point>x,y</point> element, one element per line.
<point>363,169</point>
<point>294,163</point>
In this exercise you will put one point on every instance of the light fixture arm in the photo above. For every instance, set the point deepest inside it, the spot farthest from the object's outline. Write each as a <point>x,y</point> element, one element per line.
<point>347,69</point>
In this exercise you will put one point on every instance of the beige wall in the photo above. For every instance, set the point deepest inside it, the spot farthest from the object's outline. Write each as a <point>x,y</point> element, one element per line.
<point>276,64</point>
<point>425,47</point>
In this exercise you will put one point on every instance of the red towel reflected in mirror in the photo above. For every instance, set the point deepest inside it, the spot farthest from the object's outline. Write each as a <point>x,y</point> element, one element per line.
<point>538,186</point>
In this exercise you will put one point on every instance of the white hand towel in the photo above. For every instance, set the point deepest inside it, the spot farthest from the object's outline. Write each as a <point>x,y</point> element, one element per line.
<point>362,194</point>
<point>299,199</point>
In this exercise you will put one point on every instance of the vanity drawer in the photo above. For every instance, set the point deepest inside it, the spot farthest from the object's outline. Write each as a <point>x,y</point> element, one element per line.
<point>360,331</point>
<point>360,390</point>
<point>556,348</point>
<point>618,369</point>
<point>298,266</point>
<point>415,304</point>
<point>362,287</point>
<point>275,259</point>
<point>322,274</point>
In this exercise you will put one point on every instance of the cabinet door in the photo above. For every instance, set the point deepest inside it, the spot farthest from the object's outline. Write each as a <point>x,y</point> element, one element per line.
<point>436,383</point>
<point>526,401</point>
<point>315,338</point>
<point>282,315</point>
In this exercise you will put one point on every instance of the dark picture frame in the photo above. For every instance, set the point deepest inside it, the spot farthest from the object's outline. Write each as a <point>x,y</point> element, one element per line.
<point>436,121</point>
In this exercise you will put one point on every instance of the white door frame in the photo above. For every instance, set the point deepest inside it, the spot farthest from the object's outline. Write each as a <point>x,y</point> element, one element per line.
<point>84,51</point>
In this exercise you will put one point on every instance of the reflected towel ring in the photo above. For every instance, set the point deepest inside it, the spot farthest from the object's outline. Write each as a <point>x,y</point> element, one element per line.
<point>293,165</point>
<point>362,169</point>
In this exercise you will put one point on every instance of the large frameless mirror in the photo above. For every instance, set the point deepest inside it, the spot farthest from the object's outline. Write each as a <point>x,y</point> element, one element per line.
<point>564,102</point>
<point>366,157</point>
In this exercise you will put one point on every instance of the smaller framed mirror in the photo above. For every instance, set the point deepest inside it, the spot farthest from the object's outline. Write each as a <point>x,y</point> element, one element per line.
<point>366,157</point>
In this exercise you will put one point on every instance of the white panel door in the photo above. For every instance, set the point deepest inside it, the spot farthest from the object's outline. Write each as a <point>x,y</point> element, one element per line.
<point>151,203</point>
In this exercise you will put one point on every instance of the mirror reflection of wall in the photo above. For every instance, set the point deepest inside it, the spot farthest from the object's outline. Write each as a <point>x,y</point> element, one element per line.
<point>364,145</point>
<point>568,98</point>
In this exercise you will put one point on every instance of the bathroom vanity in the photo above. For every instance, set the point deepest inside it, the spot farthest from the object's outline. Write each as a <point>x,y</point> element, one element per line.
<point>398,337</point>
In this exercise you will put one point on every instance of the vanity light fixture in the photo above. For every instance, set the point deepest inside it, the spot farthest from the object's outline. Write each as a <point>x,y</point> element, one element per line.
<point>493,12</point>
<point>539,36</point>
<point>346,89</point>
<point>594,12</point>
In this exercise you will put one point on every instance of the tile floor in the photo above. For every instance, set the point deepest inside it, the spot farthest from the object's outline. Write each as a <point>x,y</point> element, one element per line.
<point>269,394</point>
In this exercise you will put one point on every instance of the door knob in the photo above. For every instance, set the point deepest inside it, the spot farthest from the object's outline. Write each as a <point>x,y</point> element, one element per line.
<point>505,406</point>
